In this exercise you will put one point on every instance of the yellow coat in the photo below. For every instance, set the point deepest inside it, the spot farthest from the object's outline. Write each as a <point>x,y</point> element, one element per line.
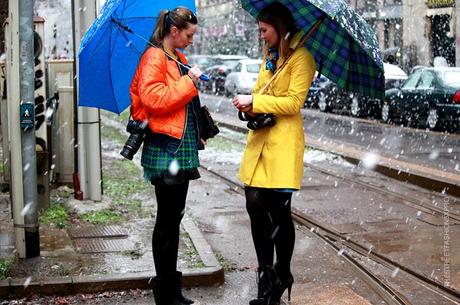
<point>273,157</point>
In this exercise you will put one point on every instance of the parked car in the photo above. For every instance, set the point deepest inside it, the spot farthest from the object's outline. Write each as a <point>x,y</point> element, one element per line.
<point>229,60</point>
<point>430,97</point>
<point>313,93</point>
<point>363,105</point>
<point>218,73</point>
<point>243,77</point>
<point>332,98</point>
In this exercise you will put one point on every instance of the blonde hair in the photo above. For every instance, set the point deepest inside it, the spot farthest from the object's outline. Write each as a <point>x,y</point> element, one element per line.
<point>180,17</point>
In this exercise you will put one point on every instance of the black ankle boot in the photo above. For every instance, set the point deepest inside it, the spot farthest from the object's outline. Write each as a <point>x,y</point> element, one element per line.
<point>178,288</point>
<point>283,281</point>
<point>265,276</point>
<point>164,291</point>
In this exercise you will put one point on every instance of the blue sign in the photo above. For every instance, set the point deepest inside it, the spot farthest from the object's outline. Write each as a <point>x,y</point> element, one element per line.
<point>27,115</point>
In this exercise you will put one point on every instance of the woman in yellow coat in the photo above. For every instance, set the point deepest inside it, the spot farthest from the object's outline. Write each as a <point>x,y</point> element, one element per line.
<point>272,165</point>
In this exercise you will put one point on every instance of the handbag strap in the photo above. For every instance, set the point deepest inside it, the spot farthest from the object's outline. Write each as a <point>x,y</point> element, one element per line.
<point>300,44</point>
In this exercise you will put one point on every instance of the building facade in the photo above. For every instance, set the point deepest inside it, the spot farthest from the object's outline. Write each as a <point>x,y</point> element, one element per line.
<point>409,32</point>
<point>225,28</point>
<point>412,32</point>
<point>3,16</point>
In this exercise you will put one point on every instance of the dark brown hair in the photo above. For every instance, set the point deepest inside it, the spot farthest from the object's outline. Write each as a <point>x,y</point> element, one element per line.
<point>279,16</point>
<point>180,17</point>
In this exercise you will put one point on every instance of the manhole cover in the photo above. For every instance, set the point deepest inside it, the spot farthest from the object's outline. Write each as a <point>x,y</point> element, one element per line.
<point>103,245</point>
<point>98,231</point>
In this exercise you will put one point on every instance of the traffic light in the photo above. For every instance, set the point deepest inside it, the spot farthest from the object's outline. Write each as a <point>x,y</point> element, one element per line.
<point>39,86</point>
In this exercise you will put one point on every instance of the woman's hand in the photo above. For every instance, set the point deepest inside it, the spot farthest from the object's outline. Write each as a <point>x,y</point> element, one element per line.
<point>243,102</point>
<point>194,73</point>
<point>204,142</point>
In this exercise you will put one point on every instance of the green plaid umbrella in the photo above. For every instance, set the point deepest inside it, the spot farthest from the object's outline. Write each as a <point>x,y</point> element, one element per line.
<point>344,45</point>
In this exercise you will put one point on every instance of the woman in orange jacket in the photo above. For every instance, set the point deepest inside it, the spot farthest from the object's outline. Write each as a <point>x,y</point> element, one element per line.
<point>164,93</point>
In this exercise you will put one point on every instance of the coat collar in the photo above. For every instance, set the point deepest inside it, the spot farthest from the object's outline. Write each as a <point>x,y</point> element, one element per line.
<point>295,40</point>
<point>170,52</point>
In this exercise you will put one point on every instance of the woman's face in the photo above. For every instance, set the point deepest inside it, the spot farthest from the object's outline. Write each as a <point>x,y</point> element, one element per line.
<point>183,38</point>
<point>268,34</point>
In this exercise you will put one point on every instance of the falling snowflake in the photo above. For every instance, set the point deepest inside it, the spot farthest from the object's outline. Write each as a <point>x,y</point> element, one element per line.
<point>370,160</point>
<point>174,167</point>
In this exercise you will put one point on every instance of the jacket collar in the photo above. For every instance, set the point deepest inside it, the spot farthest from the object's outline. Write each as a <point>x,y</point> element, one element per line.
<point>170,52</point>
<point>295,40</point>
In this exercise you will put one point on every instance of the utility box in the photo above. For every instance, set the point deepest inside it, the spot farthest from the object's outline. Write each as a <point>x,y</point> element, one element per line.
<point>60,79</point>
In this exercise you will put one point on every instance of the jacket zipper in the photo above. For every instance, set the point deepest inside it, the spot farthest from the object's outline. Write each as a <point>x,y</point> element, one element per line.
<point>186,116</point>
<point>196,125</point>
<point>183,132</point>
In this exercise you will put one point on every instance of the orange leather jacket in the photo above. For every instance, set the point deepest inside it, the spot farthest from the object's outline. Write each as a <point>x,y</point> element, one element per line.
<point>160,94</point>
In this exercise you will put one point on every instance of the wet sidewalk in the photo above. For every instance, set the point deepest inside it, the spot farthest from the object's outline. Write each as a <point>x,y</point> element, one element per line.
<point>103,245</point>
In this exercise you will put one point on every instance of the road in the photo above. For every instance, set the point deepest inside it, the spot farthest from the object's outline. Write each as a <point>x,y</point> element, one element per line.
<point>387,224</point>
<point>435,149</point>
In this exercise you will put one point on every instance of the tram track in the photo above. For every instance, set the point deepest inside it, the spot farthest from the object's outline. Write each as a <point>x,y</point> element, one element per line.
<point>411,202</point>
<point>419,205</point>
<point>332,235</point>
<point>385,291</point>
<point>349,249</point>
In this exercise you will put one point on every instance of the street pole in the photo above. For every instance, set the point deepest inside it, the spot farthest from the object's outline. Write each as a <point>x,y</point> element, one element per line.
<point>88,124</point>
<point>29,161</point>
<point>457,34</point>
<point>14,129</point>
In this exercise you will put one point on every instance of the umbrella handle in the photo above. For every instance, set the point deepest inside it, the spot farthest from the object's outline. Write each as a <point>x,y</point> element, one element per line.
<point>204,77</point>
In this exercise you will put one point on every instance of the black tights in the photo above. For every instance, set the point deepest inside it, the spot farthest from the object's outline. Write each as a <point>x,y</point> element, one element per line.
<point>165,238</point>
<point>271,224</point>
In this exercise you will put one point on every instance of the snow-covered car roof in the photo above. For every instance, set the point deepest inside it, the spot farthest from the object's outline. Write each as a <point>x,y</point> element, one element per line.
<point>250,61</point>
<point>393,72</point>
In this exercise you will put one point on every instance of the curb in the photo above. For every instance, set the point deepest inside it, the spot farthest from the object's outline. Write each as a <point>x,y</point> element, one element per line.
<point>420,175</point>
<point>211,275</point>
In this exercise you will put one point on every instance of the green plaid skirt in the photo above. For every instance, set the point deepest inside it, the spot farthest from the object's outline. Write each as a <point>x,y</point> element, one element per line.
<point>158,164</point>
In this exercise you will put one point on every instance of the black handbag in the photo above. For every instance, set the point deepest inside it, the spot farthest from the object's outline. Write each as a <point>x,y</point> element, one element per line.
<point>209,127</point>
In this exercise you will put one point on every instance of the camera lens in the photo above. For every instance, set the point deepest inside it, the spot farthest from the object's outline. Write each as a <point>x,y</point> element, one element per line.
<point>132,145</point>
<point>135,139</point>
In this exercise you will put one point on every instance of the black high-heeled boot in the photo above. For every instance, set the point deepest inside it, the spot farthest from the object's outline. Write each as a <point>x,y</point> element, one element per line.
<point>178,288</point>
<point>164,291</point>
<point>265,276</point>
<point>284,280</point>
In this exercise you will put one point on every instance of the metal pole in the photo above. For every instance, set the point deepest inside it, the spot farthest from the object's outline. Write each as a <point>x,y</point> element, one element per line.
<point>14,130</point>
<point>29,161</point>
<point>76,176</point>
<point>457,33</point>
<point>89,139</point>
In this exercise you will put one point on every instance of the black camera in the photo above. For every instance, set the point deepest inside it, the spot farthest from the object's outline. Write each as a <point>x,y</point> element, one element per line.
<point>258,121</point>
<point>137,131</point>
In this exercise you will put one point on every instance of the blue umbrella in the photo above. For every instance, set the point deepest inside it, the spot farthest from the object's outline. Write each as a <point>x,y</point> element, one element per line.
<point>111,49</point>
